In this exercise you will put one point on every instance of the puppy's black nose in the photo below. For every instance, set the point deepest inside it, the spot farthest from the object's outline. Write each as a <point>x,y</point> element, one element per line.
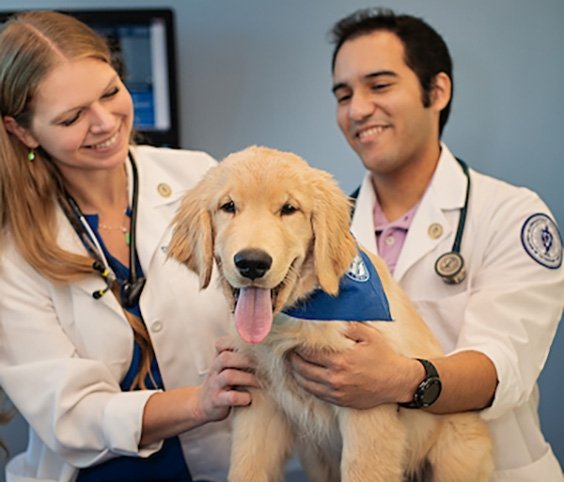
<point>252,263</point>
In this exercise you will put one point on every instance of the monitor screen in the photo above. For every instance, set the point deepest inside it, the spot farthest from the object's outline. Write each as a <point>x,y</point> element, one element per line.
<point>143,49</point>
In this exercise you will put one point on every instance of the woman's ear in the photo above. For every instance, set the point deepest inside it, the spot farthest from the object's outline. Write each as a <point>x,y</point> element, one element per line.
<point>23,134</point>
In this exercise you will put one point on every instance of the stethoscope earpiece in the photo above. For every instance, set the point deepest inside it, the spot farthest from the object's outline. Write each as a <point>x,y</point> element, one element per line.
<point>108,277</point>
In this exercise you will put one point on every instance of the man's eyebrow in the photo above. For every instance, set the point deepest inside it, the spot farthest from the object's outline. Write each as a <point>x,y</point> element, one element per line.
<point>371,75</point>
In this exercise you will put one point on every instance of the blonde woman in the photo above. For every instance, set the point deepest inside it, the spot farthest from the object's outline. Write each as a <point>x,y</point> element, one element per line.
<point>108,349</point>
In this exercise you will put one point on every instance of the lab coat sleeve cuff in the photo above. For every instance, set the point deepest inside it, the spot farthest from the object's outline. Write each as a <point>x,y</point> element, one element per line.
<point>508,393</point>
<point>123,422</point>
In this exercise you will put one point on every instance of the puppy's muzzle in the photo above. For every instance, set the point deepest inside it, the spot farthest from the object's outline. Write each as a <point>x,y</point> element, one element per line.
<point>252,263</point>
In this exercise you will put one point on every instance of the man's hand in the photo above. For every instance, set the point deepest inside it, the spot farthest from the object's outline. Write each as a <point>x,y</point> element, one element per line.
<point>367,374</point>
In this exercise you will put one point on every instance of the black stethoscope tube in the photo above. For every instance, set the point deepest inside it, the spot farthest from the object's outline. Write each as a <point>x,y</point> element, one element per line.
<point>132,288</point>
<point>449,266</point>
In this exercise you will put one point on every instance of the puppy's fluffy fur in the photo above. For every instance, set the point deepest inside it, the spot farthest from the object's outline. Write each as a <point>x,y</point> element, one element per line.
<point>292,221</point>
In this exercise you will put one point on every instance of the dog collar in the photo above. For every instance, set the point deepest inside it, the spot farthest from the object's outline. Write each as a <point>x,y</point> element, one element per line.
<point>361,297</point>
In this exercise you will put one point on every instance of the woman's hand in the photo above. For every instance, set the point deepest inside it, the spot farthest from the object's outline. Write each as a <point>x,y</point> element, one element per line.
<point>178,410</point>
<point>367,374</point>
<point>230,374</point>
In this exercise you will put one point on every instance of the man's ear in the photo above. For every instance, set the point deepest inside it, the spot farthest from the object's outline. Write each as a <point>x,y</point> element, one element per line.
<point>441,92</point>
<point>23,134</point>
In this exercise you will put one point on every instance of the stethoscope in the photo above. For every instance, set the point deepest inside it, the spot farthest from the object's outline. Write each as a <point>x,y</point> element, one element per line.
<point>449,266</point>
<point>132,288</point>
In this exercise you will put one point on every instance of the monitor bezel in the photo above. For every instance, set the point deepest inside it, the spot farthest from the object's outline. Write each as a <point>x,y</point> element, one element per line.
<point>170,136</point>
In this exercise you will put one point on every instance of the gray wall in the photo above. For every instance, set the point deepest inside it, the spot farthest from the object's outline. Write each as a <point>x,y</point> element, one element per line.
<point>257,72</point>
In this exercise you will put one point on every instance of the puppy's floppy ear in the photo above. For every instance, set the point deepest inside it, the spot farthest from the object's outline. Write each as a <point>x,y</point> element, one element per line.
<point>192,237</point>
<point>334,245</point>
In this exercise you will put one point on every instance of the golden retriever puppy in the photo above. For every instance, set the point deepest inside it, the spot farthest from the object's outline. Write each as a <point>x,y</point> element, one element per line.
<point>278,231</point>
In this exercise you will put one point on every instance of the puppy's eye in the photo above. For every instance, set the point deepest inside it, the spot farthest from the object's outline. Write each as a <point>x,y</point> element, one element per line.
<point>288,209</point>
<point>228,207</point>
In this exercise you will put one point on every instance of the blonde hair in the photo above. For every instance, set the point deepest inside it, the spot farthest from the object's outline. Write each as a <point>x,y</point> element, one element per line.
<point>5,417</point>
<point>31,45</point>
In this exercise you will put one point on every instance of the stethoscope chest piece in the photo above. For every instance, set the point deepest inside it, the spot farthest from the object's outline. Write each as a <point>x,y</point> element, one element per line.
<point>450,267</point>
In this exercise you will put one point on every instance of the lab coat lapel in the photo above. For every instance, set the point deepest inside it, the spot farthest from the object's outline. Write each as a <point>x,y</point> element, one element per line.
<point>362,224</point>
<point>86,286</point>
<point>430,225</point>
<point>158,195</point>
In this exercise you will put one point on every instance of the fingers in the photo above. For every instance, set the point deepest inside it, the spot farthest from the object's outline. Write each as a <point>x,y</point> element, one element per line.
<point>233,360</point>
<point>234,398</point>
<point>230,377</point>
<point>225,343</point>
<point>358,332</point>
<point>320,358</point>
<point>309,367</point>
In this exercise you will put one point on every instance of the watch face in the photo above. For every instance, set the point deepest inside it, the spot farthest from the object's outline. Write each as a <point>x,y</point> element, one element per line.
<point>430,391</point>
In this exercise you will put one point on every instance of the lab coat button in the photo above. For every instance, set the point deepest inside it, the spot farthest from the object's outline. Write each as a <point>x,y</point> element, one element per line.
<point>156,326</point>
<point>164,189</point>
<point>435,231</point>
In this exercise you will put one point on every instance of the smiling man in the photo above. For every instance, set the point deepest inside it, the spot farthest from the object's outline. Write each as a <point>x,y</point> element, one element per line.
<point>481,259</point>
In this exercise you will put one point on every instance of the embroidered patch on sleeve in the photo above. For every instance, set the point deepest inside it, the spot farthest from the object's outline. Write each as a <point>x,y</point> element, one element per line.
<point>542,241</point>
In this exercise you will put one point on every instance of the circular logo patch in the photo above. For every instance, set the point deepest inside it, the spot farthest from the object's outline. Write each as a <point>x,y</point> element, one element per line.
<point>542,241</point>
<point>358,270</point>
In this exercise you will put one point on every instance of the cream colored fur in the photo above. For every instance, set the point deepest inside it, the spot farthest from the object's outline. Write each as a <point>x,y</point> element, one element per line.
<point>264,199</point>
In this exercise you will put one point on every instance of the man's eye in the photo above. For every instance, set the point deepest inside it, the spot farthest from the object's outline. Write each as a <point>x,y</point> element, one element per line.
<point>228,207</point>
<point>380,86</point>
<point>342,98</point>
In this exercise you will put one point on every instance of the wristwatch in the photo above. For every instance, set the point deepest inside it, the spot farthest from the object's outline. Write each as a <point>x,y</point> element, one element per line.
<point>428,390</point>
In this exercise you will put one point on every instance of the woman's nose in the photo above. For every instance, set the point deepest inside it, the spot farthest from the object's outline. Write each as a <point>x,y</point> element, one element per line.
<point>102,120</point>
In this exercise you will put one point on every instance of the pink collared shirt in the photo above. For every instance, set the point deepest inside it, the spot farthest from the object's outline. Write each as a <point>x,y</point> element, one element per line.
<point>390,236</point>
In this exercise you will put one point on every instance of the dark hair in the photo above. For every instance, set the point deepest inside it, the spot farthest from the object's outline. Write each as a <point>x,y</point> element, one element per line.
<point>426,53</point>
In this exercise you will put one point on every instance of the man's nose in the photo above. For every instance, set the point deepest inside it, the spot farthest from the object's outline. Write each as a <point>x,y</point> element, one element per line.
<point>360,107</point>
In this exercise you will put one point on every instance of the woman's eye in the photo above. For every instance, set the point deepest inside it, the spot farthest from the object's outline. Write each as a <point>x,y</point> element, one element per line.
<point>288,209</point>
<point>70,121</point>
<point>111,93</point>
<point>228,207</point>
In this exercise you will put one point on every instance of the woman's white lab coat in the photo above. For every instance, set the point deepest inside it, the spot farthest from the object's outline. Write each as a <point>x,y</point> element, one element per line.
<point>508,307</point>
<point>63,353</point>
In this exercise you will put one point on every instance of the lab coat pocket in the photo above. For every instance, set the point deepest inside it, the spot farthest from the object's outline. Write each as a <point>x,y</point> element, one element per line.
<point>17,471</point>
<point>544,469</point>
<point>445,317</point>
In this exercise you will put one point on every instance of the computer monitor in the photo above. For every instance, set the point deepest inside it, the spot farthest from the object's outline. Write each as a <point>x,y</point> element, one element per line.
<point>142,42</point>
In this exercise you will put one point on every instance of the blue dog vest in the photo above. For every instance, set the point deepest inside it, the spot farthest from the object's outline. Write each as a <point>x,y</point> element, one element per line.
<point>361,297</point>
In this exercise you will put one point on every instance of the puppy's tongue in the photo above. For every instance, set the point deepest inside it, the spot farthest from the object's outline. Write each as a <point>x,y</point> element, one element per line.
<point>253,314</point>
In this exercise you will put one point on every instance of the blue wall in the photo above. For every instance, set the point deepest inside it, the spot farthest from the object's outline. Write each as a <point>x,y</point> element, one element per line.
<point>257,72</point>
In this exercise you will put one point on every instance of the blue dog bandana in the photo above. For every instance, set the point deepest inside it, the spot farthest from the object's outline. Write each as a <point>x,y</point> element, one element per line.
<point>361,297</point>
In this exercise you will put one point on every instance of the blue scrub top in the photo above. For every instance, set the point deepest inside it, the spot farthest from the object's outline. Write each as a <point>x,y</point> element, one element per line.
<point>166,465</point>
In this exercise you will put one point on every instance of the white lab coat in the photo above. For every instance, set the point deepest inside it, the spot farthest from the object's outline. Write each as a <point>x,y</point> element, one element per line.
<point>508,307</point>
<point>63,353</point>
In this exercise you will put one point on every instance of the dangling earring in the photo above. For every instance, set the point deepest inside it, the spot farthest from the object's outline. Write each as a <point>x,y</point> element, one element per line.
<point>31,155</point>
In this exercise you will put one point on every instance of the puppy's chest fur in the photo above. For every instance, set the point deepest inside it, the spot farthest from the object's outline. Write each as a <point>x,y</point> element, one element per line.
<point>312,419</point>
